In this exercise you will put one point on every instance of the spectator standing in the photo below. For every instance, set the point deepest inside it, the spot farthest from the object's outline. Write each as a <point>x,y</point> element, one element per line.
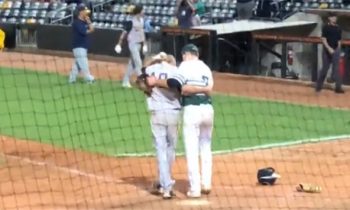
<point>81,29</point>
<point>331,40</point>
<point>200,11</point>
<point>184,13</point>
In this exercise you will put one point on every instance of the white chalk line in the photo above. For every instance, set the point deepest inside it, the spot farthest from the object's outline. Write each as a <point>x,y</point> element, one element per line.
<point>286,143</point>
<point>73,171</point>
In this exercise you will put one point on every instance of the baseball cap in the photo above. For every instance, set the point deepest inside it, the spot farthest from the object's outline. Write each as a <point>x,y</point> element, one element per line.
<point>82,7</point>
<point>332,14</point>
<point>191,48</point>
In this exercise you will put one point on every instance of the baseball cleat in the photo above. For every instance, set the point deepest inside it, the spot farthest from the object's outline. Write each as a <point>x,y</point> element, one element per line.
<point>193,194</point>
<point>168,195</point>
<point>126,85</point>
<point>157,189</point>
<point>206,191</point>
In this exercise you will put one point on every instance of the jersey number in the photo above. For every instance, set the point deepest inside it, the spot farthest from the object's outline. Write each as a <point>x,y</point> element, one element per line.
<point>161,75</point>
<point>205,80</point>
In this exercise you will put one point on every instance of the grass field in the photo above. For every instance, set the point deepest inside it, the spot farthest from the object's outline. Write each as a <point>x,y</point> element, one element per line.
<point>108,119</point>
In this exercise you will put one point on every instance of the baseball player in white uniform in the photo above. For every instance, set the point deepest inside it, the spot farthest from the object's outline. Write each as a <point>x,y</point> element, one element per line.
<point>165,108</point>
<point>195,81</point>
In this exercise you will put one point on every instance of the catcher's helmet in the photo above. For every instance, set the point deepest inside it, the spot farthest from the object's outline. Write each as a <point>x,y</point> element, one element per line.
<point>267,176</point>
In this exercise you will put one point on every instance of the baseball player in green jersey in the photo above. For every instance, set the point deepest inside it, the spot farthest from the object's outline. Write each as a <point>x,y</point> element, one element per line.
<point>195,82</point>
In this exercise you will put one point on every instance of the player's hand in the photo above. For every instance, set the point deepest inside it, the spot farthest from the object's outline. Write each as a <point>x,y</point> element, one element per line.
<point>118,49</point>
<point>144,48</point>
<point>331,51</point>
<point>151,81</point>
<point>87,20</point>
<point>186,90</point>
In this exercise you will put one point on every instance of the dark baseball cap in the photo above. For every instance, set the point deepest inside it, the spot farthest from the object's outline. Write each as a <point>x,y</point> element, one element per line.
<point>331,14</point>
<point>82,7</point>
<point>191,48</point>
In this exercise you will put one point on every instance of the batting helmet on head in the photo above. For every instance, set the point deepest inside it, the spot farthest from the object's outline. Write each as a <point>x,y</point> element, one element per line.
<point>267,176</point>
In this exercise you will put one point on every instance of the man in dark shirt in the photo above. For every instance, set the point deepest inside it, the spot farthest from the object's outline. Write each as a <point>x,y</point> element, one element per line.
<point>81,28</point>
<point>245,9</point>
<point>331,40</point>
<point>185,13</point>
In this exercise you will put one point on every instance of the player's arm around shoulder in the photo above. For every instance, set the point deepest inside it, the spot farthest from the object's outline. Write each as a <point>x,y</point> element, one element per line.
<point>194,89</point>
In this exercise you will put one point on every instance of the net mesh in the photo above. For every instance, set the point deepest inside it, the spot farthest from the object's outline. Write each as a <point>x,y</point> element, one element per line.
<point>89,146</point>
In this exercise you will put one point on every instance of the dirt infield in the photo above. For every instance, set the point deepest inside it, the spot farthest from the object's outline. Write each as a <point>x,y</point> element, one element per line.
<point>40,176</point>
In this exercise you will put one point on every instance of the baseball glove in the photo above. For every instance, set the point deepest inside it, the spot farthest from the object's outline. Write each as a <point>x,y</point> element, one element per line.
<point>141,84</point>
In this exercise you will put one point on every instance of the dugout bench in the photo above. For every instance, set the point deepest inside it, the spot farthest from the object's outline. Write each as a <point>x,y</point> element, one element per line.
<point>260,41</point>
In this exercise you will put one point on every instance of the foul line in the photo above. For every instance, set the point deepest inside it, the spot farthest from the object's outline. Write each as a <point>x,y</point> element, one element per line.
<point>244,149</point>
<point>64,169</point>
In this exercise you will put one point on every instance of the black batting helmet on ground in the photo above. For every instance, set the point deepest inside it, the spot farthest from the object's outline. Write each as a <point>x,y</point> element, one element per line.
<point>267,176</point>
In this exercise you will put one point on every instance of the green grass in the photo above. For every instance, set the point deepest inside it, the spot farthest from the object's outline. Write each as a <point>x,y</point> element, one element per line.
<point>107,119</point>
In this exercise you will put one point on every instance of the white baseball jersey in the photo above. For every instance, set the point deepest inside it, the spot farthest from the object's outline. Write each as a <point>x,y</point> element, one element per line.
<point>195,72</point>
<point>161,98</point>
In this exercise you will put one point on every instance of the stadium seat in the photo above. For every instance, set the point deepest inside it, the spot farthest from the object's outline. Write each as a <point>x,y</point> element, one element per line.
<point>101,16</point>
<point>26,5</point>
<point>34,5</point>
<point>24,13</point>
<point>51,14</point>
<point>3,20</point>
<point>6,13</point>
<point>62,5</point>
<point>17,5</point>
<point>41,21</point>
<point>116,8</point>
<point>15,13</point>
<point>115,18</point>
<point>44,6</point>
<point>12,20</point>
<point>121,18</point>
<point>108,17</point>
<point>42,14</point>
<point>164,11</point>
<point>53,6</point>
